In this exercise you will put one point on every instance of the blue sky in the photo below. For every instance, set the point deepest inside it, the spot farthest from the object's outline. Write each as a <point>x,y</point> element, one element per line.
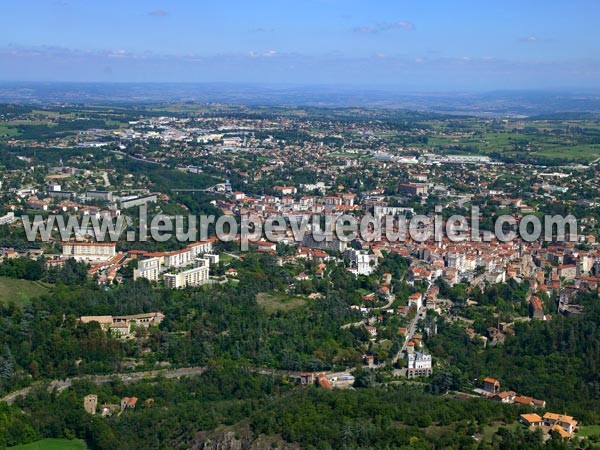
<point>409,44</point>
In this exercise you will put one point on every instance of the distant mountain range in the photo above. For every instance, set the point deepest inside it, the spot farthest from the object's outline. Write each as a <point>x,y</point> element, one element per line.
<point>492,104</point>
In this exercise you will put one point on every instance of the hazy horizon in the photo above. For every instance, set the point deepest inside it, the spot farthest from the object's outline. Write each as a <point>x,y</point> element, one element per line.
<point>437,46</point>
<point>396,88</point>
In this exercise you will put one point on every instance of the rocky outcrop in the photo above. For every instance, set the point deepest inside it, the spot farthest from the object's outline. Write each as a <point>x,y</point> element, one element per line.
<point>238,438</point>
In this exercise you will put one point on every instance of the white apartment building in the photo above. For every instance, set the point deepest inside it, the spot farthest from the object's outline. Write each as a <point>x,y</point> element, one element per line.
<point>191,277</point>
<point>186,256</point>
<point>155,264</point>
<point>179,258</point>
<point>89,251</point>
<point>148,268</point>
<point>200,247</point>
<point>456,261</point>
<point>212,259</point>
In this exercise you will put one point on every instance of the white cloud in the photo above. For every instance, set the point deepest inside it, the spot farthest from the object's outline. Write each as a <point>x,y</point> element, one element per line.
<point>158,13</point>
<point>532,39</point>
<point>385,26</point>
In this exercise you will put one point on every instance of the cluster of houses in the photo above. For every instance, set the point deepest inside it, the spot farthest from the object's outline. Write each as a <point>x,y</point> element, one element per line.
<point>563,424</point>
<point>491,389</point>
<point>327,381</point>
<point>547,268</point>
<point>90,405</point>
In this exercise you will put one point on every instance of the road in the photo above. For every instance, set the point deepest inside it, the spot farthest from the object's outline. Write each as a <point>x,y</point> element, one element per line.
<point>411,330</point>
<point>60,385</point>
<point>354,324</point>
<point>391,300</point>
<point>420,315</point>
<point>132,377</point>
<point>149,161</point>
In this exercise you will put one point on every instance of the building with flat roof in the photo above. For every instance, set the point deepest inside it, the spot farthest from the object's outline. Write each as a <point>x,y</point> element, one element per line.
<point>148,268</point>
<point>413,188</point>
<point>7,218</point>
<point>192,277</point>
<point>89,251</point>
<point>130,202</point>
<point>100,195</point>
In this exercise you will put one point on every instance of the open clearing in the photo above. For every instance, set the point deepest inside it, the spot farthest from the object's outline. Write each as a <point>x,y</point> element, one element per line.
<point>279,302</point>
<point>20,291</point>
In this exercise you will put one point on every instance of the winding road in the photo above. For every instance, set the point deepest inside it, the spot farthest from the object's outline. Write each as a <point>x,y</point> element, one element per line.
<point>132,377</point>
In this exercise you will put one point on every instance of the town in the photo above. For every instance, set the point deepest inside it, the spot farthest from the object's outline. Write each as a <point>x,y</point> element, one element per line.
<point>403,301</point>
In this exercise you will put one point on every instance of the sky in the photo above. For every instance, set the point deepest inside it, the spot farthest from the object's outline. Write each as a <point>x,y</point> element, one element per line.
<point>421,45</point>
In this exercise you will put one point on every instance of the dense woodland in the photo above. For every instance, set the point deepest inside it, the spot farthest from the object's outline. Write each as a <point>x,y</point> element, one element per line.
<point>555,360</point>
<point>400,417</point>
<point>220,322</point>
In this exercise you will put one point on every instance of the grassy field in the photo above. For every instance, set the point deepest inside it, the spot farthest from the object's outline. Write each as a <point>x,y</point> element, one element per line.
<point>225,258</point>
<point>547,146</point>
<point>53,444</point>
<point>20,291</point>
<point>278,302</point>
<point>383,347</point>
<point>5,129</point>
<point>583,153</point>
<point>491,429</point>
<point>589,430</point>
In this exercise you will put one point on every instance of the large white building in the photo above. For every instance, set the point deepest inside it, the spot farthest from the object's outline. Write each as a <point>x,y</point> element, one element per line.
<point>419,364</point>
<point>89,251</point>
<point>131,201</point>
<point>148,268</point>
<point>178,258</point>
<point>186,256</point>
<point>201,247</point>
<point>361,263</point>
<point>152,265</point>
<point>191,277</point>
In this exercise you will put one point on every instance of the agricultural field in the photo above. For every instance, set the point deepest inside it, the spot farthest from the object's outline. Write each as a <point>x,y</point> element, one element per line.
<point>7,131</point>
<point>512,144</point>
